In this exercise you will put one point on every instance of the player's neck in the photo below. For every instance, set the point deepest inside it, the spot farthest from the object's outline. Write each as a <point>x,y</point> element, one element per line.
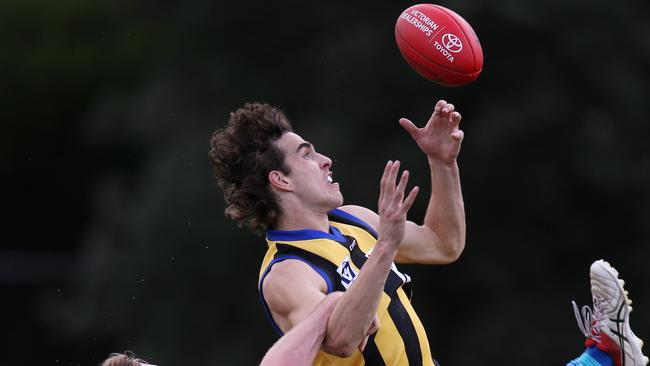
<point>299,218</point>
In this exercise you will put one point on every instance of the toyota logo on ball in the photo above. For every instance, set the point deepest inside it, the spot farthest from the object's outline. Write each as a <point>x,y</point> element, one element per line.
<point>452,43</point>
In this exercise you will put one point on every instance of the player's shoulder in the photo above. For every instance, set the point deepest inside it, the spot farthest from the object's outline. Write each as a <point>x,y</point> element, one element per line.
<point>362,213</point>
<point>292,272</point>
<point>288,283</point>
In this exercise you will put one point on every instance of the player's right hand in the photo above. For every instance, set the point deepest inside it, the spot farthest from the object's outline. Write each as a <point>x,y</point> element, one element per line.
<point>440,138</point>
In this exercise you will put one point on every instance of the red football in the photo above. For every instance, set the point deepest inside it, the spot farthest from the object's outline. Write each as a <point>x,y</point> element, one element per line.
<point>439,44</point>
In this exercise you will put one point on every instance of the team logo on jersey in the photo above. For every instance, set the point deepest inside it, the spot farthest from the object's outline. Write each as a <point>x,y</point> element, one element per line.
<point>403,276</point>
<point>354,243</point>
<point>347,273</point>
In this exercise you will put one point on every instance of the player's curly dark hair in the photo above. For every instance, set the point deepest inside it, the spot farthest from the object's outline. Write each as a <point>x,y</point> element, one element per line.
<point>242,156</point>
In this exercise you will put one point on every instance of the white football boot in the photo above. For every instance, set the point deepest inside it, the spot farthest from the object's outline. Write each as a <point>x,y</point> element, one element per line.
<point>608,325</point>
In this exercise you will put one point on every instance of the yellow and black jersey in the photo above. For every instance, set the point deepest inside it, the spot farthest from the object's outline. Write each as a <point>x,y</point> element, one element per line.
<point>337,256</point>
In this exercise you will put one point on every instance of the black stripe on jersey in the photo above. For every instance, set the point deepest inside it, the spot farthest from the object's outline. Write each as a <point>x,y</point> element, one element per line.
<point>371,355</point>
<point>358,257</point>
<point>326,266</point>
<point>343,220</point>
<point>396,309</point>
<point>408,290</point>
<point>406,330</point>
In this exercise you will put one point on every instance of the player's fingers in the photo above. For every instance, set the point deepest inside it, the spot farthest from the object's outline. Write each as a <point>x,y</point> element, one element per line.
<point>399,196</point>
<point>455,119</point>
<point>439,105</point>
<point>388,183</point>
<point>329,302</point>
<point>458,135</point>
<point>384,176</point>
<point>332,297</point>
<point>447,109</point>
<point>409,127</point>
<point>374,326</point>
<point>437,110</point>
<point>362,346</point>
<point>392,176</point>
<point>408,202</point>
<point>383,184</point>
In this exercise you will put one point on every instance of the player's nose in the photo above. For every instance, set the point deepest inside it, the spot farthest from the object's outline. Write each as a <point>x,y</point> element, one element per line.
<point>326,162</point>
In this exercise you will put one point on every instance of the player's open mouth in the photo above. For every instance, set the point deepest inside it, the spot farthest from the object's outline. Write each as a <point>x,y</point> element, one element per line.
<point>329,179</point>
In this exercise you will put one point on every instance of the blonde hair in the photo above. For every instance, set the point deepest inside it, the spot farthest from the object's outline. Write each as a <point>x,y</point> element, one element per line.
<point>123,359</point>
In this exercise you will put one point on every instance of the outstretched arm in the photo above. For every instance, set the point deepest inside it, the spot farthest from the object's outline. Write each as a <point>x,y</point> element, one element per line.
<point>299,346</point>
<point>441,237</point>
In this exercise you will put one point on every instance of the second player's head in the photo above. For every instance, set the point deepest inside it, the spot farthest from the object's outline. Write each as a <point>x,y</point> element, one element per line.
<point>124,359</point>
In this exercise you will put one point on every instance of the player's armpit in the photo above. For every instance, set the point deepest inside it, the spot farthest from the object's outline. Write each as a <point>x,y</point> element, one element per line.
<point>292,289</point>
<point>420,244</point>
<point>370,217</point>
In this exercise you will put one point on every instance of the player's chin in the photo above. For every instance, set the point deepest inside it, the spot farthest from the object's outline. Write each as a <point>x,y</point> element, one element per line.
<point>337,200</point>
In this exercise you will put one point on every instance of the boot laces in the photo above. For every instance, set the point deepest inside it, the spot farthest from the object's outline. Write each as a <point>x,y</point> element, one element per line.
<point>590,322</point>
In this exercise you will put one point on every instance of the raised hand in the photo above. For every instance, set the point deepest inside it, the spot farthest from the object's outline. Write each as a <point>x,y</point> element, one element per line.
<point>440,138</point>
<point>392,205</point>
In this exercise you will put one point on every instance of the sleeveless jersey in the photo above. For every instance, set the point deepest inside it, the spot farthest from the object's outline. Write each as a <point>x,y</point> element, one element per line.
<point>338,256</point>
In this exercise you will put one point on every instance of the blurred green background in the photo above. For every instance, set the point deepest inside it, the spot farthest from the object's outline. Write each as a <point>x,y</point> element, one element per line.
<point>114,236</point>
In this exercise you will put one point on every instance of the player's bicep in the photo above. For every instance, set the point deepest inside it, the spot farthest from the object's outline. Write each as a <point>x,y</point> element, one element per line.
<point>292,289</point>
<point>420,245</point>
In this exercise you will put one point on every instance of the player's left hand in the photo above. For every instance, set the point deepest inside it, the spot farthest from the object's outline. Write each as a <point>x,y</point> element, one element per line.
<point>441,138</point>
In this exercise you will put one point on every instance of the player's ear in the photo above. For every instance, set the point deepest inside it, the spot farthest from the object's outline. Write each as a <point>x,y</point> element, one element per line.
<point>280,181</point>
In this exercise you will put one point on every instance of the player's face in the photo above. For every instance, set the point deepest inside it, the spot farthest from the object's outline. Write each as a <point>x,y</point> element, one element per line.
<point>310,175</point>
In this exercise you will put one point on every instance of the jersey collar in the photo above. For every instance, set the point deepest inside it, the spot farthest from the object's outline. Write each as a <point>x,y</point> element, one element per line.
<point>305,234</point>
